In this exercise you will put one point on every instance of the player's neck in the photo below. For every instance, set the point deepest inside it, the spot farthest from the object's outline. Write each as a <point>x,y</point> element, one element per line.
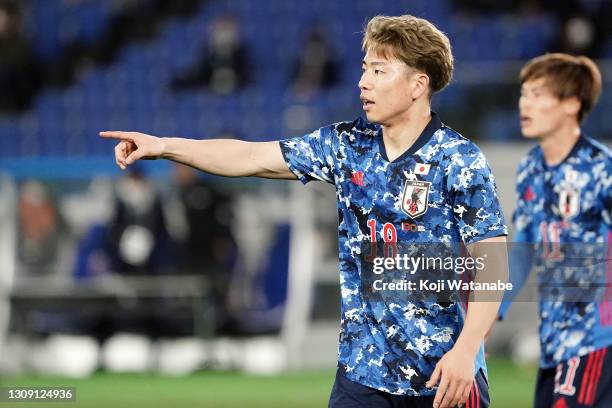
<point>558,145</point>
<point>399,136</point>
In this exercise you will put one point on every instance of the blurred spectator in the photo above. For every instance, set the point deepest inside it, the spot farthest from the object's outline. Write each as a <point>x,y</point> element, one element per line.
<point>209,247</point>
<point>209,244</point>
<point>316,67</point>
<point>138,240</point>
<point>223,66</point>
<point>40,229</point>
<point>137,20</point>
<point>583,25</point>
<point>578,35</point>
<point>18,71</point>
<point>128,21</point>
<point>135,239</point>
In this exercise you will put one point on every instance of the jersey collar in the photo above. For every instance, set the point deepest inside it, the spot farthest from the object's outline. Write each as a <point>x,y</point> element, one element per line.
<point>582,141</point>
<point>434,124</point>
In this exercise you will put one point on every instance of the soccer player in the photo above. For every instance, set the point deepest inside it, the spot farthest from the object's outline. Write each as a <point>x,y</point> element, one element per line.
<point>565,205</point>
<point>400,176</point>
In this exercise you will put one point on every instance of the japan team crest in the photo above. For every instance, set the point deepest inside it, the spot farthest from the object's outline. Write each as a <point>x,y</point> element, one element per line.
<point>569,196</point>
<point>415,198</point>
<point>569,202</point>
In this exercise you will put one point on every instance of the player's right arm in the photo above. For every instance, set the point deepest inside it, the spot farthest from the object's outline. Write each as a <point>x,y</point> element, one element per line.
<point>223,157</point>
<point>522,249</point>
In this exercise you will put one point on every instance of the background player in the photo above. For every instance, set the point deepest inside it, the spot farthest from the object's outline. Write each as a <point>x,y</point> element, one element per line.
<point>389,355</point>
<point>564,204</point>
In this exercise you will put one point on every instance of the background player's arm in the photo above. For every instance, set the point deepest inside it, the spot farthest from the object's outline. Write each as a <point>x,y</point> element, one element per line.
<point>522,248</point>
<point>521,254</point>
<point>223,157</point>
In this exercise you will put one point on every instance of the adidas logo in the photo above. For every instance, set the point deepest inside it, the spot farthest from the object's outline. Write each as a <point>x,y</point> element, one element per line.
<point>357,178</point>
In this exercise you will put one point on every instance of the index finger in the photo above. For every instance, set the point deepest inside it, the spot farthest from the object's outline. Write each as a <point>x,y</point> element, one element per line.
<point>117,135</point>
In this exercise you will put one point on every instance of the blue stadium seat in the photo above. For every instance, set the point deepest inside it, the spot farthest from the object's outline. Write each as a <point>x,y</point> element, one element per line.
<point>134,91</point>
<point>54,24</point>
<point>10,138</point>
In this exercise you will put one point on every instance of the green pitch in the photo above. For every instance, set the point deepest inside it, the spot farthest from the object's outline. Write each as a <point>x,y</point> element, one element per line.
<point>511,386</point>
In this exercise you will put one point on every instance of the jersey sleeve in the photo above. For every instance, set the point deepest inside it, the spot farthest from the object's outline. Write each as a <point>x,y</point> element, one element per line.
<point>473,195</point>
<point>521,253</point>
<point>310,157</point>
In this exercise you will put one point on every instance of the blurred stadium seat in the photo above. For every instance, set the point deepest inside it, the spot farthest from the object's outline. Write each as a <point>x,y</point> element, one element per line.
<point>133,92</point>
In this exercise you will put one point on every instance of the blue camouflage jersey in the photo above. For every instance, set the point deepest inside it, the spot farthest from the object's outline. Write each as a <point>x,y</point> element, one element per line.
<point>441,190</point>
<point>566,212</point>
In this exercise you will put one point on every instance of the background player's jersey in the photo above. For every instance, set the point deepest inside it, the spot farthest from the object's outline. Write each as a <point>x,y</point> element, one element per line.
<point>440,190</point>
<point>566,211</point>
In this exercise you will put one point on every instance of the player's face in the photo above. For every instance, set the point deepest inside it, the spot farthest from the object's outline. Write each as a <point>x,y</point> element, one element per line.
<point>387,87</point>
<point>541,112</point>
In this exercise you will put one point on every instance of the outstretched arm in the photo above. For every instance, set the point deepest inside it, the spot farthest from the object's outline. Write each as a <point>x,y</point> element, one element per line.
<point>223,157</point>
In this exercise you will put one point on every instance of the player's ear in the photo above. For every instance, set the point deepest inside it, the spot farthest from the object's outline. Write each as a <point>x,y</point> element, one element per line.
<point>571,106</point>
<point>420,85</point>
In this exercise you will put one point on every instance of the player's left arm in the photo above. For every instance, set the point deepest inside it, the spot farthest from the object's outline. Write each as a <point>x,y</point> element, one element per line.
<point>480,221</point>
<point>455,370</point>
